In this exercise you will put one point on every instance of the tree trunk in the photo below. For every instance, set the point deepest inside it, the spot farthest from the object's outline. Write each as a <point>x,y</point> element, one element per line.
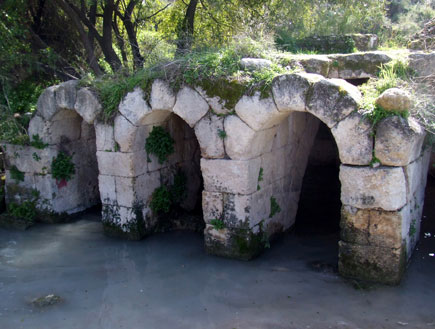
<point>106,40</point>
<point>89,48</point>
<point>185,33</point>
<point>138,59</point>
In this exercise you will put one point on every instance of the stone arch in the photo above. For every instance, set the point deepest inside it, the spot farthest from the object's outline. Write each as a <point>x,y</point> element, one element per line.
<point>251,157</point>
<point>61,126</point>
<point>376,215</point>
<point>129,176</point>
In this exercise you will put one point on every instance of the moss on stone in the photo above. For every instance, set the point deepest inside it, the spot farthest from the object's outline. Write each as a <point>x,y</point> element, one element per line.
<point>133,230</point>
<point>387,271</point>
<point>229,91</point>
<point>242,244</point>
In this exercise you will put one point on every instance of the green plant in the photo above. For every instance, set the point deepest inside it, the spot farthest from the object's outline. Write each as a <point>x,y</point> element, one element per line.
<point>26,210</point>
<point>412,228</point>
<point>222,134</point>
<point>161,200</point>
<point>159,143</point>
<point>62,167</point>
<point>378,113</point>
<point>16,174</point>
<point>37,142</point>
<point>36,157</point>
<point>274,207</point>
<point>218,224</point>
<point>260,178</point>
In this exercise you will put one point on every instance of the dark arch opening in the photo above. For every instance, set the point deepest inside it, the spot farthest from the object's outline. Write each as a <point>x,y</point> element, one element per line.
<point>319,202</point>
<point>183,177</point>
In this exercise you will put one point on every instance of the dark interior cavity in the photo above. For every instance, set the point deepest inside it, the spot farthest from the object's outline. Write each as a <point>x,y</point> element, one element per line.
<point>319,203</point>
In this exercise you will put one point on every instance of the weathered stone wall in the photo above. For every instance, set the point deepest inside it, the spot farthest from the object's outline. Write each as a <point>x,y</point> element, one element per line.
<point>61,129</point>
<point>253,158</point>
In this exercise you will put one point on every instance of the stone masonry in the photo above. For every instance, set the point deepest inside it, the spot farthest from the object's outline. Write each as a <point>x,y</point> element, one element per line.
<point>252,162</point>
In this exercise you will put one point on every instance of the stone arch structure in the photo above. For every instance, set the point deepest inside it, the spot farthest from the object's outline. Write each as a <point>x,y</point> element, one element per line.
<point>60,126</point>
<point>128,175</point>
<point>253,159</point>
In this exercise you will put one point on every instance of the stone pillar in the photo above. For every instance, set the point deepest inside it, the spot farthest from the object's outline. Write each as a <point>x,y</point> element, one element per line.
<point>382,206</point>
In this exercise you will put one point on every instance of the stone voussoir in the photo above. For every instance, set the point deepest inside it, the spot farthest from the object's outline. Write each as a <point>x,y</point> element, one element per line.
<point>258,113</point>
<point>332,100</point>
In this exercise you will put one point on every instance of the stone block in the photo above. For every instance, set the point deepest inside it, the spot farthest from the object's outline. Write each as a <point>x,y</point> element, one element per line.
<point>290,92</point>
<point>333,100</point>
<point>122,164</point>
<point>107,187</point>
<point>416,172</point>
<point>230,176</point>
<point>255,63</point>
<point>257,113</point>
<point>364,187</point>
<point>212,206</point>
<point>318,64</point>
<point>130,138</point>
<point>46,105</point>
<point>354,139</point>
<point>242,142</point>
<point>29,159</point>
<point>234,243</point>
<point>398,141</point>
<point>207,131</point>
<point>134,107</point>
<point>162,96</point>
<point>87,105</point>
<point>422,63</point>
<point>216,103</point>
<point>371,263</point>
<point>104,135</point>
<point>66,94</point>
<point>190,106</point>
<point>373,227</point>
<point>358,65</point>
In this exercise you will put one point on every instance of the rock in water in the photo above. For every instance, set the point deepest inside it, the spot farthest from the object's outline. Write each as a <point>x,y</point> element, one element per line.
<point>46,300</point>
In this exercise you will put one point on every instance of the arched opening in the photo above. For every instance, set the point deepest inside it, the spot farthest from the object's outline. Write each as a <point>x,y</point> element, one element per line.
<point>181,176</point>
<point>56,176</point>
<point>319,202</point>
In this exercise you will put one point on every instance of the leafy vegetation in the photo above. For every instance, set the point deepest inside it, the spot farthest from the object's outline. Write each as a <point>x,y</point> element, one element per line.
<point>161,200</point>
<point>164,198</point>
<point>62,167</point>
<point>218,224</point>
<point>37,142</point>
<point>260,179</point>
<point>159,143</point>
<point>16,174</point>
<point>274,207</point>
<point>26,210</point>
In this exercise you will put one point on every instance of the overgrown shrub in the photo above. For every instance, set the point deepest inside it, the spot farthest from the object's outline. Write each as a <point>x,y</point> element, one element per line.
<point>62,167</point>
<point>159,143</point>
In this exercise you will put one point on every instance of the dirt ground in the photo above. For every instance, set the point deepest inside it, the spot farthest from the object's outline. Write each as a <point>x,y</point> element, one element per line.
<point>167,281</point>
